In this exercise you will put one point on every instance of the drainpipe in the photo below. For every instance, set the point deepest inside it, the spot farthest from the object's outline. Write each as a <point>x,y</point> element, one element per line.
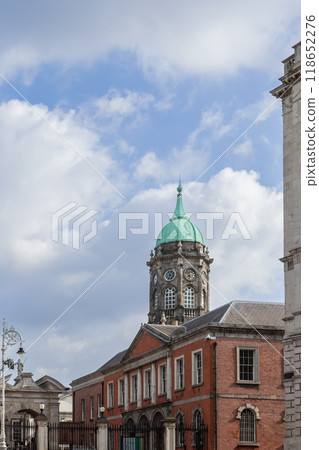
<point>215,389</point>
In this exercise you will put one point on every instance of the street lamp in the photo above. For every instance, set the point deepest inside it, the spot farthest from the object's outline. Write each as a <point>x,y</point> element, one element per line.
<point>9,337</point>
<point>42,405</point>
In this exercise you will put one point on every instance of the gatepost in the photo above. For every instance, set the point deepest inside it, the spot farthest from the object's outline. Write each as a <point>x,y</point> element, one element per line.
<point>101,438</point>
<point>169,425</point>
<point>42,432</point>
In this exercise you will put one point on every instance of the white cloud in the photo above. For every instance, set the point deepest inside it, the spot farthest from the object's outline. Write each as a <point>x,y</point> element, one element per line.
<point>41,173</point>
<point>244,148</point>
<point>183,37</point>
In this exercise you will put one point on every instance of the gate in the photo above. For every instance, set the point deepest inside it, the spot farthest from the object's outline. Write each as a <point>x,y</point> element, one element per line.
<point>71,436</point>
<point>21,435</point>
<point>135,437</point>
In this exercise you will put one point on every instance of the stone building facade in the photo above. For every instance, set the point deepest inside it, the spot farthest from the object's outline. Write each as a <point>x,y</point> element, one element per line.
<point>290,93</point>
<point>222,368</point>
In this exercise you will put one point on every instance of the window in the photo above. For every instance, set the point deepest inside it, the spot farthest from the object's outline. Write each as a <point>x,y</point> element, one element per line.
<point>121,398</point>
<point>197,367</point>
<point>110,395</point>
<point>99,404</point>
<point>134,388</point>
<point>179,373</point>
<point>247,360</point>
<point>198,429</point>
<point>170,298</point>
<point>147,384</point>
<point>247,426</point>
<point>189,297</point>
<point>83,410</point>
<point>202,302</point>
<point>162,379</point>
<point>91,407</point>
<point>180,430</point>
<point>156,300</point>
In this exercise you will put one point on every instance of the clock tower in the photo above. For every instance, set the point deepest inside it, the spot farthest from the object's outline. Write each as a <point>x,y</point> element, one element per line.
<point>179,271</point>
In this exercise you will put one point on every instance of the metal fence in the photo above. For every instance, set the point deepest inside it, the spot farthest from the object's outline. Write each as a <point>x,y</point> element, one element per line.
<point>131,437</point>
<point>71,436</point>
<point>192,437</point>
<point>21,435</point>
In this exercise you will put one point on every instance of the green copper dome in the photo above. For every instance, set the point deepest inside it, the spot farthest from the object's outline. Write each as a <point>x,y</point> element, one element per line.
<point>179,228</point>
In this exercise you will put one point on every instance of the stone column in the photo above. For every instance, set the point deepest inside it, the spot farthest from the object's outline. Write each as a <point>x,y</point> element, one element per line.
<point>169,425</point>
<point>153,384</point>
<point>126,392</point>
<point>42,432</point>
<point>101,435</point>
<point>139,388</point>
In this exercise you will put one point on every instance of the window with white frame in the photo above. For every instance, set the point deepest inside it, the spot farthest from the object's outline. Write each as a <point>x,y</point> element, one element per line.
<point>189,297</point>
<point>197,366</point>
<point>121,392</point>
<point>170,298</point>
<point>179,373</point>
<point>99,404</point>
<point>156,300</point>
<point>91,407</point>
<point>134,388</point>
<point>110,394</point>
<point>247,365</point>
<point>83,410</point>
<point>162,379</point>
<point>147,384</point>
<point>247,426</point>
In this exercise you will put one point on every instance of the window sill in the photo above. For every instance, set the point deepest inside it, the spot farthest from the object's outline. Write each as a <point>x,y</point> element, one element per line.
<point>248,444</point>
<point>163,394</point>
<point>179,389</point>
<point>109,407</point>
<point>133,402</point>
<point>146,399</point>
<point>248,382</point>
<point>197,385</point>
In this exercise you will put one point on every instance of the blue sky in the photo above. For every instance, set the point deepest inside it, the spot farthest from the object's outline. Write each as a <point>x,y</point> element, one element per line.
<point>144,92</point>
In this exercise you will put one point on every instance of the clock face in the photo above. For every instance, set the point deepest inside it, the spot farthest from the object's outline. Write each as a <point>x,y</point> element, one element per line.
<point>169,275</point>
<point>189,274</point>
<point>155,278</point>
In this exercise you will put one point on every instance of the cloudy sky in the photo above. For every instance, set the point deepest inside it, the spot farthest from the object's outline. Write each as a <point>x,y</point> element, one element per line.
<point>103,105</point>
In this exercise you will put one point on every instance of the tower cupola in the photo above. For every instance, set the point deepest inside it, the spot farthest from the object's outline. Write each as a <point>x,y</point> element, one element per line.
<point>179,270</point>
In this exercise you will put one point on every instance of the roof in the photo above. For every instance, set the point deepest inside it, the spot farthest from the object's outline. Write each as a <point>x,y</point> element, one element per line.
<point>237,312</point>
<point>179,228</point>
<point>240,312</point>
<point>113,361</point>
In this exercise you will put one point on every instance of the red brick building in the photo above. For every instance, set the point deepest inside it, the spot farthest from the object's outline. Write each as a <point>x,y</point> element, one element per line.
<point>219,371</point>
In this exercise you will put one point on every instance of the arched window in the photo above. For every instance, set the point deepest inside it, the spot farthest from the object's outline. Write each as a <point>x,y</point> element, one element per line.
<point>189,297</point>
<point>170,298</point>
<point>156,300</point>
<point>198,429</point>
<point>202,302</point>
<point>247,426</point>
<point>180,430</point>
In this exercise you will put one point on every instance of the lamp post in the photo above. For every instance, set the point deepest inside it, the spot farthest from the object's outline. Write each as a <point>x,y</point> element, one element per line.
<point>9,337</point>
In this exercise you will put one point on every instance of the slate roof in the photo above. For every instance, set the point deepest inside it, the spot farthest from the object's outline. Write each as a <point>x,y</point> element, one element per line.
<point>113,361</point>
<point>242,313</point>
